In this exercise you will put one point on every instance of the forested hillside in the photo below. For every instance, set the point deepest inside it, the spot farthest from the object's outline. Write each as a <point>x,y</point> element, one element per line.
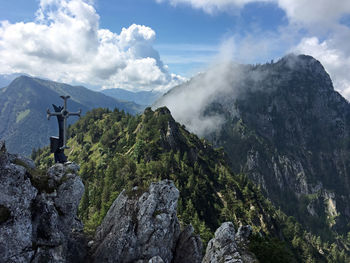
<point>116,151</point>
<point>283,125</point>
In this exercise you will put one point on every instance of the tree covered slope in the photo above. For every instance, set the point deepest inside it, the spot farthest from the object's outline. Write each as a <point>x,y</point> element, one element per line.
<point>118,150</point>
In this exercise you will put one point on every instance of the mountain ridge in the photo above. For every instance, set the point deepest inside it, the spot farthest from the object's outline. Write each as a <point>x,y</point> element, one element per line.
<point>118,151</point>
<point>24,103</point>
<point>141,97</point>
<point>285,126</point>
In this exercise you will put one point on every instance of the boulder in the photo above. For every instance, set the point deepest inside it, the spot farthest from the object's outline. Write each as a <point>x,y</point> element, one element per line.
<point>140,227</point>
<point>189,247</point>
<point>226,246</point>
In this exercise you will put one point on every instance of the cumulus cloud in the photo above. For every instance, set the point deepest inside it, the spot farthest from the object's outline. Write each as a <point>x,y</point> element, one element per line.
<point>66,43</point>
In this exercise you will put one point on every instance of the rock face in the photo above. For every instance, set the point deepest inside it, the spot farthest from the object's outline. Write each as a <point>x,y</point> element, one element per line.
<point>38,212</point>
<point>189,247</point>
<point>143,228</point>
<point>38,222</point>
<point>285,126</point>
<point>229,247</point>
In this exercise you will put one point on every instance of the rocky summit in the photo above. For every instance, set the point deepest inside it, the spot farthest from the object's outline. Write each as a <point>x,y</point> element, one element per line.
<point>144,228</point>
<point>38,222</point>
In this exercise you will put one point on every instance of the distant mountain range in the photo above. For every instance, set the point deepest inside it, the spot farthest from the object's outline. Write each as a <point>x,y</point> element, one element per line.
<point>23,104</point>
<point>141,97</point>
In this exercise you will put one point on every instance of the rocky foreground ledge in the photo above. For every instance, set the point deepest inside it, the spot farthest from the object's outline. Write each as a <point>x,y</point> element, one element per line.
<point>38,222</point>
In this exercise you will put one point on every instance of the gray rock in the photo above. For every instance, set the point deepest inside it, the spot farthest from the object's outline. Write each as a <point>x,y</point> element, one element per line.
<point>224,247</point>
<point>189,247</point>
<point>67,201</point>
<point>57,229</point>
<point>140,227</point>
<point>36,226</point>
<point>16,197</point>
<point>55,174</point>
<point>243,233</point>
<point>156,259</point>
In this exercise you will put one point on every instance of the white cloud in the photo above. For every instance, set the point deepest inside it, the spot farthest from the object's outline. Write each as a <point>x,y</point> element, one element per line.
<point>212,6</point>
<point>188,103</point>
<point>66,43</point>
<point>334,59</point>
<point>324,37</point>
<point>315,13</point>
<point>301,11</point>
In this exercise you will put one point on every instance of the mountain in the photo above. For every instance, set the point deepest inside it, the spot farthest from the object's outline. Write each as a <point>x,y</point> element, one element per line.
<point>285,126</point>
<point>120,155</point>
<point>141,97</point>
<point>23,123</point>
<point>6,79</point>
<point>146,229</point>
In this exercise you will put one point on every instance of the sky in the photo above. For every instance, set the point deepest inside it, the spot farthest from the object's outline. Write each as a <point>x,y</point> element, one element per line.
<point>157,44</point>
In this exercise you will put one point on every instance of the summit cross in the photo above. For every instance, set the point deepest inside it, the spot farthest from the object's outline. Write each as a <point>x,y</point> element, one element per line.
<point>64,113</point>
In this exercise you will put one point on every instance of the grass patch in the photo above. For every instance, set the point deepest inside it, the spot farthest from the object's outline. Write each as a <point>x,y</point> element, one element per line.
<point>38,177</point>
<point>22,114</point>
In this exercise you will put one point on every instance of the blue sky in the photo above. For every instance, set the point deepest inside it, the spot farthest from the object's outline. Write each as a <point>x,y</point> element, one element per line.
<point>166,41</point>
<point>186,38</point>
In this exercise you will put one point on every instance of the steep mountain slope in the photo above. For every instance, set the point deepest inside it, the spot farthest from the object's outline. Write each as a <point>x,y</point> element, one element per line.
<point>118,151</point>
<point>23,105</point>
<point>285,126</point>
<point>141,97</point>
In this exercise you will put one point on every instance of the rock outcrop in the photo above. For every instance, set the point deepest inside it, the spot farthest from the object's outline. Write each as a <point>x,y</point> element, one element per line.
<point>144,228</point>
<point>228,246</point>
<point>189,247</point>
<point>38,220</point>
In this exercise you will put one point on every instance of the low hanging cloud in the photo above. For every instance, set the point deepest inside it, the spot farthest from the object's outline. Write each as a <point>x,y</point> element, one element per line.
<point>325,37</point>
<point>65,43</point>
<point>188,102</point>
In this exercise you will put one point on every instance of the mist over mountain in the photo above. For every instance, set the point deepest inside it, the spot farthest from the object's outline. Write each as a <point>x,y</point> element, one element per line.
<point>283,125</point>
<point>146,98</point>
<point>23,123</point>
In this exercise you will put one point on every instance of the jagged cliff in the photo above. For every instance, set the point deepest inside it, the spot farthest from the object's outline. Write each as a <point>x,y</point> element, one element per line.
<point>285,126</point>
<point>292,137</point>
